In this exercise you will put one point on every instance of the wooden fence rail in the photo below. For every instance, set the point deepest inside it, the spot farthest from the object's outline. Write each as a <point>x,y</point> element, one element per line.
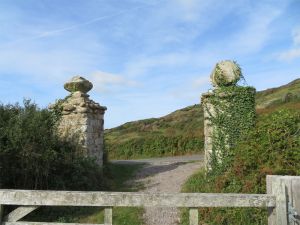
<point>28,200</point>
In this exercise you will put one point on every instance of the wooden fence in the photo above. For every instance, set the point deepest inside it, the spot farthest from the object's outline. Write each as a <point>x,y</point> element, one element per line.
<point>282,200</point>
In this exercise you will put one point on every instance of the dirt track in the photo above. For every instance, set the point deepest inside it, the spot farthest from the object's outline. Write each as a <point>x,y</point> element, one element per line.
<point>165,175</point>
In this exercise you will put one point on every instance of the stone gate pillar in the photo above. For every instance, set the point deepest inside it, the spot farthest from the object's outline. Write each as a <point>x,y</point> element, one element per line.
<point>229,111</point>
<point>83,118</point>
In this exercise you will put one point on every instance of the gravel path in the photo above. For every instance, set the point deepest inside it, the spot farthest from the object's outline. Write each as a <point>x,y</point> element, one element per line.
<point>165,175</point>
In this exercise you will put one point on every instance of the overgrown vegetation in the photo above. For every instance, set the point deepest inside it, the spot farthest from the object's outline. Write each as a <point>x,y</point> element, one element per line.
<point>185,124</point>
<point>271,148</point>
<point>232,117</point>
<point>32,156</point>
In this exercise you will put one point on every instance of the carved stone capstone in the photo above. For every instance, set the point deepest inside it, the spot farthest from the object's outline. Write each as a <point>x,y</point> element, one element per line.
<point>78,83</point>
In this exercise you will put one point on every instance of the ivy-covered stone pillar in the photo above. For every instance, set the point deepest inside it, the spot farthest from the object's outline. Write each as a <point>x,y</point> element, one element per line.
<point>82,118</point>
<point>229,113</point>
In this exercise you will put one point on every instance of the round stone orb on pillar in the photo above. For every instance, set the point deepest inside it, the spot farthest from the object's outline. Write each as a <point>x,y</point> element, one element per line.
<point>225,73</point>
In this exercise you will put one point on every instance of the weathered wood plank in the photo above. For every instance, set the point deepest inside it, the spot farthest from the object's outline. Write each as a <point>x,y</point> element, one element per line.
<point>45,223</point>
<point>193,216</point>
<point>190,200</point>
<point>19,213</point>
<point>296,197</point>
<point>108,216</point>
<point>271,211</point>
<point>281,205</point>
<point>1,213</point>
<point>276,186</point>
<point>292,188</point>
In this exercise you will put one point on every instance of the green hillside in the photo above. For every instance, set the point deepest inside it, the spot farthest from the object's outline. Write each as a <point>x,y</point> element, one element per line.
<point>273,96</point>
<point>181,132</point>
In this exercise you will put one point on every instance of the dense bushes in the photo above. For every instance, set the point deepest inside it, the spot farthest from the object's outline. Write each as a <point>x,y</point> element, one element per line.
<point>272,148</point>
<point>33,157</point>
<point>155,145</point>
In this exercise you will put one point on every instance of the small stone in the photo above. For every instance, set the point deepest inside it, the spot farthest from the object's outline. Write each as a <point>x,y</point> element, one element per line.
<point>82,104</point>
<point>97,106</point>
<point>78,94</point>
<point>68,107</point>
<point>82,110</point>
<point>65,112</point>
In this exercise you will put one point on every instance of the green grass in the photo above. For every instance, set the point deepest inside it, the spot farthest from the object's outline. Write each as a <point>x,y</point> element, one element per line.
<point>117,177</point>
<point>121,215</point>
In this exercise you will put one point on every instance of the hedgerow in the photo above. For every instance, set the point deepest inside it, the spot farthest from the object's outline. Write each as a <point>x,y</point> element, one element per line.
<point>32,156</point>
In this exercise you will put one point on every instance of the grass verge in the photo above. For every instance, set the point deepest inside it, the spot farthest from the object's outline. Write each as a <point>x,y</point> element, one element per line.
<point>198,183</point>
<point>117,178</point>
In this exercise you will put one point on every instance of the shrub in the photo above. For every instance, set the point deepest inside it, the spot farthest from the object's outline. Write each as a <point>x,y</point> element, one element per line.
<point>273,147</point>
<point>32,156</point>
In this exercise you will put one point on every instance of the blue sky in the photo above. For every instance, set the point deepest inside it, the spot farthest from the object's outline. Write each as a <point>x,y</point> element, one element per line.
<point>145,58</point>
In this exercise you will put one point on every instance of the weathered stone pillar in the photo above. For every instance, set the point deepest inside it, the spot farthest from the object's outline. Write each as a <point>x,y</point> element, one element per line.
<point>83,119</point>
<point>208,128</point>
<point>229,112</point>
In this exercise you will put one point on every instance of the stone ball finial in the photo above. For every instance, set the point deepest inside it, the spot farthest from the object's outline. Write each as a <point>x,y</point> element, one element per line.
<point>78,83</point>
<point>225,73</point>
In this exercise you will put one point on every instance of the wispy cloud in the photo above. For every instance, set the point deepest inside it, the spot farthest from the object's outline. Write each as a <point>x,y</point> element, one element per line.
<point>201,81</point>
<point>296,36</point>
<point>49,33</point>
<point>294,51</point>
<point>290,54</point>
<point>107,82</point>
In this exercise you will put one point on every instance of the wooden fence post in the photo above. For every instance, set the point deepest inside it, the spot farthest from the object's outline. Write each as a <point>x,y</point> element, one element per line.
<point>193,216</point>
<point>108,216</point>
<point>287,192</point>
<point>1,213</point>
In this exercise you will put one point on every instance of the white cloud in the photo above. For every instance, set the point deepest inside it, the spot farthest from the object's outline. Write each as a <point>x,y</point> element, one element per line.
<point>201,81</point>
<point>257,29</point>
<point>296,36</point>
<point>190,8</point>
<point>108,82</point>
<point>294,51</point>
<point>290,54</point>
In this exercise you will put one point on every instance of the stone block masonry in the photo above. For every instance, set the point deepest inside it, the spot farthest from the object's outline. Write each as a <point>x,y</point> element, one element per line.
<point>83,119</point>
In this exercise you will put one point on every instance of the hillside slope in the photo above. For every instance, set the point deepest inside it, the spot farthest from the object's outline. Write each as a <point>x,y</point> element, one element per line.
<point>181,132</point>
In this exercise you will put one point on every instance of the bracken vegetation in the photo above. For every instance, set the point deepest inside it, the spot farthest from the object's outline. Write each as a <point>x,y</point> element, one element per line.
<point>183,127</point>
<point>178,133</point>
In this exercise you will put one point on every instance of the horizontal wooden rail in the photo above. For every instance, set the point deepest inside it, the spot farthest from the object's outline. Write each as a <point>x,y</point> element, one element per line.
<point>190,200</point>
<point>45,223</point>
